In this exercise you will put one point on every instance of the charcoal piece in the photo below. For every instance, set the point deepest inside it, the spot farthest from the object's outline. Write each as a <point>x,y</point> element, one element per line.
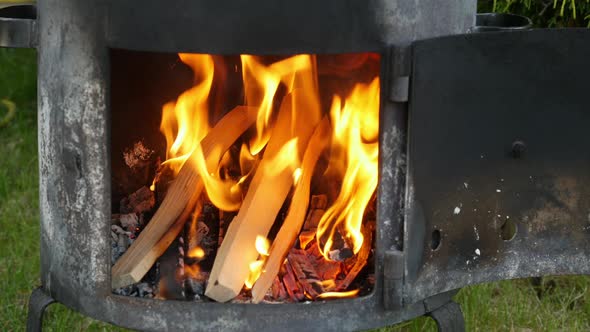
<point>145,290</point>
<point>318,202</point>
<point>129,221</point>
<point>208,224</point>
<point>195,289</point>
<point>135,169</point>
<point>163,179</point>
<point>225,219</point>
<point>341,255</point>
<point>142,200</point>
<point>170,283</point>
<point>126,291</point>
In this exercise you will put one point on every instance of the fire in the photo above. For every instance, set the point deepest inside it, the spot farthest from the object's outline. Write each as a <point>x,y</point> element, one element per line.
<point>185,122</point>
<point>268,87</point>
<point>262,246</point>
<point>261,83</point>
<point>197,252</point>
<point>337,295</point>
<point>355,124</point>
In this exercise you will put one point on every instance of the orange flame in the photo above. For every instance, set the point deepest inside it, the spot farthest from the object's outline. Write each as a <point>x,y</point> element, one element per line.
<point>193,270</point>
<point>262,246</point>
<point>334,295</point>
<point>354,145</point>
<point>354,151</point>
<point>185,122</point>
<point>196,252</point>
<point>261,83</point>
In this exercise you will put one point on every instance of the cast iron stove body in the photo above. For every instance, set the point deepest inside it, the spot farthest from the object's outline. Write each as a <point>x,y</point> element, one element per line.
<point>482,135</point>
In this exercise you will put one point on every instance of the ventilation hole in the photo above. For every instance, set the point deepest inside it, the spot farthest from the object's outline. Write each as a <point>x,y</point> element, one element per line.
<point>435,242</point>
<point>508,230</point>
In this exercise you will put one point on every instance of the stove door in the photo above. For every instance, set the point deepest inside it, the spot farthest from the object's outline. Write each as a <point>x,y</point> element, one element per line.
<point>499,159</point>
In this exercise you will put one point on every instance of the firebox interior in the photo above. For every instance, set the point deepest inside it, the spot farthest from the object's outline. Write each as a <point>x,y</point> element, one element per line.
<point>321,262</point>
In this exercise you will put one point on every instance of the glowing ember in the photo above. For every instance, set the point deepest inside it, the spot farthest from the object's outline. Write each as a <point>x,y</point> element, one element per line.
<point>337,295</point>
<point>196,252</point>
<point>262,245</point>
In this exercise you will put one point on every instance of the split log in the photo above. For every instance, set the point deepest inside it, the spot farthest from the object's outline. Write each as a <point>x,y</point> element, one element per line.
<point>266,195</point>
<point>134,264</point>
<point>296,215</point>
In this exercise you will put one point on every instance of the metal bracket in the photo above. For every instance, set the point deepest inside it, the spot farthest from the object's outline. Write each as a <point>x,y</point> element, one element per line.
<point>18,26</point>
<point>449,318</point>
<point>393,274</point>
<point>38,302</point>
<point>399,86</point>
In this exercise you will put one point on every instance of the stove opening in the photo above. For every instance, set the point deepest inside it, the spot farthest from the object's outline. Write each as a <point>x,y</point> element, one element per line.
<point>244,178</point>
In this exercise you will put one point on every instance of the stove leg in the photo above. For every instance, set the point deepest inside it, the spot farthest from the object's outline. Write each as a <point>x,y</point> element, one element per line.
<point>449,318</point>
<point>37,304</point>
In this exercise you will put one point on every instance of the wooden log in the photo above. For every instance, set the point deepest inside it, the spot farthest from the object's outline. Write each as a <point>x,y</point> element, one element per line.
<point>266,194</point>
<point>135,263</point>
<point>296,215</point>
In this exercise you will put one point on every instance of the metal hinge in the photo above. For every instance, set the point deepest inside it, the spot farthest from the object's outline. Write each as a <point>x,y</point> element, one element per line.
<point>400,67</point>
<point>393,274</point>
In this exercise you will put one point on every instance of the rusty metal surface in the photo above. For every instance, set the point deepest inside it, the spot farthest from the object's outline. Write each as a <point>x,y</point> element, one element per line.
<point>498,140</point>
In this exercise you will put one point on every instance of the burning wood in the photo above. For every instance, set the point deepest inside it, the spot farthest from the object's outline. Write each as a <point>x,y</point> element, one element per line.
<point>291,285</point>
<point>133,265</point>
<point>266,195</point>
<point>256,190</point>
<point>305,274</point>
<point>292,224</point>
<point>361,257</point>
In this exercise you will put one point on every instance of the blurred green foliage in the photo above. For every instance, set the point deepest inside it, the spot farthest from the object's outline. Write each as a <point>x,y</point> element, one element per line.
<point>544,13</point>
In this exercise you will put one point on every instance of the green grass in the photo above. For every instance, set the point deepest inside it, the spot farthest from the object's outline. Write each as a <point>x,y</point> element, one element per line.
<point>563,303</point>
<point>19,202</point>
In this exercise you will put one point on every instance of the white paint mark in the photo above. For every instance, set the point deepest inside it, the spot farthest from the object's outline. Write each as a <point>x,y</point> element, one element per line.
<point>498,190</point>
<point>466,185</point>
<point>477,252</point>
<point>457,210</point>
<point>476,233</point>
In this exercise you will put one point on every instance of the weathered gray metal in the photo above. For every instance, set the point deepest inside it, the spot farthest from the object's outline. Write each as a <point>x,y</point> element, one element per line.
<point>74,41</point>
<point>498,161</point>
